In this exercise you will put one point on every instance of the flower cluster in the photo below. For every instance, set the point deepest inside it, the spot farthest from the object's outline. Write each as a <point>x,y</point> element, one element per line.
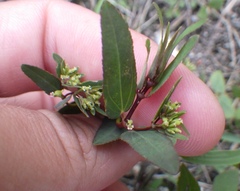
<point>171,120</point>
<point>85,95</point>
<point>91,98</point>
<point>129,124</point>
<point>70,76</point>
<point>171,125</point>
<point>57,93</point>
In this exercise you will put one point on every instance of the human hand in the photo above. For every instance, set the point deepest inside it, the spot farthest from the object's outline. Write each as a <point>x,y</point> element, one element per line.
<point>42,150</point>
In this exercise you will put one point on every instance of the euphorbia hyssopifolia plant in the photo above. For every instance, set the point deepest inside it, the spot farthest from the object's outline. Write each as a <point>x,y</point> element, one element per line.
<point>120,91</point>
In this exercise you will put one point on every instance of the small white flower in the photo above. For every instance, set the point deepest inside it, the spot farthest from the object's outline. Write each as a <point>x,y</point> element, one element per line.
<point>130,125</point>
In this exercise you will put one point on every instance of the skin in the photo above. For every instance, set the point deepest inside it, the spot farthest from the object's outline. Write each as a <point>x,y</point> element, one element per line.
<point>42,150</point>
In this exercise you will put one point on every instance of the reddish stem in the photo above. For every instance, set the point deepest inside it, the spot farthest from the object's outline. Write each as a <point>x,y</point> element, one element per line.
<point>140,96</point>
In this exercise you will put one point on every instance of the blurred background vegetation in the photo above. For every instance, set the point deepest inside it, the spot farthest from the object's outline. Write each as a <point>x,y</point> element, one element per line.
<point>216,60</point>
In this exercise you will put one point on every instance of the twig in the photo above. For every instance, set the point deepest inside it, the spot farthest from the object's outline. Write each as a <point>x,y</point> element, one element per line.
<point>236,36</point>
<point>121,8</point>
<point>189,12</point>
<point>148,23</point>
<point>144,12</point>
<point>231,40</point>
<point>205,186</point>
<point>229,7</point>
<point>176,22</point>
<point>206,174</point>
<point>234,146</point>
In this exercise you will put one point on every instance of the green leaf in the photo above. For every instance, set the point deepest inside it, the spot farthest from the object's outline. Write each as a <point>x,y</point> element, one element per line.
<point>216,4</point>
<point>176,61</point>
<point>63,102</point>
<point>230,137</point>
<point>166,99</point>
<point>169,49</point>
<point>236,91</point>
<point>119,70</point>
<point>188,30</point>
<point>60,63</point>
<point>144,72</point>
<point>215,157</point>
<point>43,79</point>
<point>227,180</point>
<point>227,104</point>
<point>158,66</point>
<point>202,12</point>
<point>153,184</point>
<point>185,130</point>
<point>155,147</point>
<point>217,82</point>
<point>100,111</point>
<point>107,132</point>
<point>160,17</point>
<point>186,181</point>
<point>237,114</point>
<point>177,136</point>
<point>93,84</point>
<point>148,45</point>
<point>79,104</point>
<point>97,7</point>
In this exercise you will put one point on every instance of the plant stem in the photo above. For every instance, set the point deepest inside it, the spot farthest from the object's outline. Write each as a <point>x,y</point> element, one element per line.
<point>142,128</point>
<point>141,94</point>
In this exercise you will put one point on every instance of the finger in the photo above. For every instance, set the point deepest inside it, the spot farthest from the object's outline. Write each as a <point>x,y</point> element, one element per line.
<point>69,35</point>
<point>204,117</point>
<point>31,100</point>
<point>41,150</point>
<point>117,186</point>
<point>76,36</point>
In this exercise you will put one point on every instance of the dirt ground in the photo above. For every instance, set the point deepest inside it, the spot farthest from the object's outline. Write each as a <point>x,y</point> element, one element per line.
<point>219,44</point>
<point>218,49</point>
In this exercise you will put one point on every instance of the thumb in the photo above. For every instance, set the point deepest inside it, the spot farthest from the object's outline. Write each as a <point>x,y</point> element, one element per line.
<point>204,118</point>
<point>42,150</point>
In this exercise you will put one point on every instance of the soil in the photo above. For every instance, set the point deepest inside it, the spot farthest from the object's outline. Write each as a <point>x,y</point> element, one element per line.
<point>219,43</point>
<point>218,49</point>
